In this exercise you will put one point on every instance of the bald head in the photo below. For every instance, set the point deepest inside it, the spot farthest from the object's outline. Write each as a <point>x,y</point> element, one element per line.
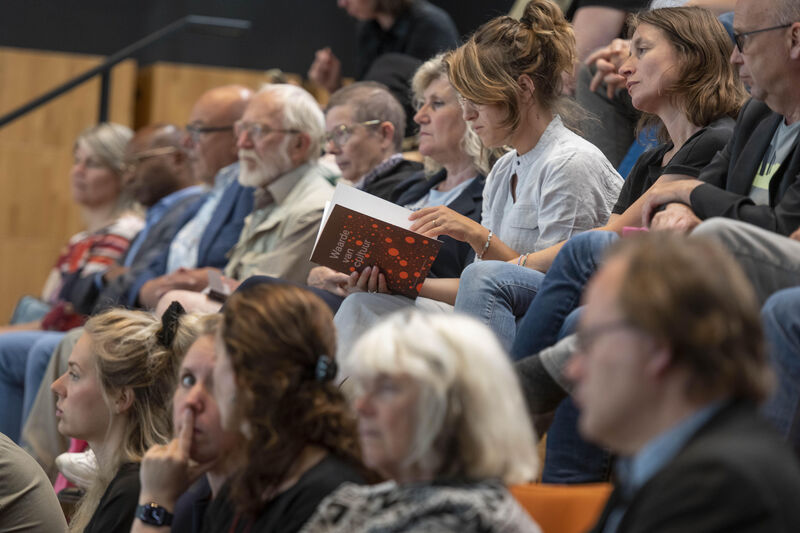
<point>210,141</point>
<point>157,163</point>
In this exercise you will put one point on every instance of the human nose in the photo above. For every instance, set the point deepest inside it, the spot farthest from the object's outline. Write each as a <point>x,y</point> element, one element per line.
<point>244,139</point>
<point>421,116</point>
<point>332,147</point>
<point>58,386</point>
<point>628,67</point>
<point>363,404</point>
<point>187,141</point>
<point>468,111</point>
<point>736,56</point>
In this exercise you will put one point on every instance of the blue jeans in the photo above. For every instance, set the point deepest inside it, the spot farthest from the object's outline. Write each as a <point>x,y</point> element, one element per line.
<point>23,359</point>
<point>781,317</point>
<point>560,291</point>
<point>497,293</point>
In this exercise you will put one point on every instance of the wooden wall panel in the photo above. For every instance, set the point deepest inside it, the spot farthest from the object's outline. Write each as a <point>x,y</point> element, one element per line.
<point>37,214</point>
<point>167,91</point>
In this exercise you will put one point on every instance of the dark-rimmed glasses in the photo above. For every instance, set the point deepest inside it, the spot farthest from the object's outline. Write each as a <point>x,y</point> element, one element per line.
<point>256,131</point>
<point>342,133</point>
<point>741,38</point>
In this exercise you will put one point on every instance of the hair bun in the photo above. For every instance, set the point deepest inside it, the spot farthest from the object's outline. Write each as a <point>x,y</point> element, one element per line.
<point>169,324</point>
<point>542,15</point>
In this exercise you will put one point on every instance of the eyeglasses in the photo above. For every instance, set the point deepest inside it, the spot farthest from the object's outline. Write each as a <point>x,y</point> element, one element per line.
<point>464,102</point>
<point>741,38</point>
<point>135,160</point>
<point>195,131</point>
<point>585,338</point>
<point>256,131</point>
<point>342,133</point>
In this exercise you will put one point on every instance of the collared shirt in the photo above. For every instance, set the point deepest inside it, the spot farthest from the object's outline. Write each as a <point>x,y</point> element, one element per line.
<point>384,167</point>
<point>184,249</point>
<point>565,185</point>
<point>277,239</point>
<point>634,472</point>
<point>154,214</point>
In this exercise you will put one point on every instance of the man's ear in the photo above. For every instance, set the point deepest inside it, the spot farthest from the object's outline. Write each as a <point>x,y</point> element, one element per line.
<point>124,400</point>
<point>386,131</point>
<point>794,34</point>
<point>659,359</point>
<point>298,148</point>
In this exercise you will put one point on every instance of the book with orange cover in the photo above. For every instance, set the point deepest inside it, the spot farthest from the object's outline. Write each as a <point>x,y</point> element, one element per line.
<point>360,230</point>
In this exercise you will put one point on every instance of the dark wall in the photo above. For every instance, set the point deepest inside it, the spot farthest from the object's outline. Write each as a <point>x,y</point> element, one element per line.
<point>285,33</point>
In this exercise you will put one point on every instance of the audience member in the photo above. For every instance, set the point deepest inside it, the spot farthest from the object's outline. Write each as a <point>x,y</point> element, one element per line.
<point>97,186</point>
<point>455,163</point>
<point>440,414</point>
<point>279,138</point>
<point>273,384</point>
<point>553,184</point>
<point>115,396</point>
<point>199,436</point>
<point>205,239</point>
<point>679,75</point>
<point>412,27</point>
<point>27,500</point>
<point>365,126</point>
<point>160,180</point>
<point>670,367</point>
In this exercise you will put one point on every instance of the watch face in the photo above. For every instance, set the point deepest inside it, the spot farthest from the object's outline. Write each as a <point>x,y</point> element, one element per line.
<point>154,515</point>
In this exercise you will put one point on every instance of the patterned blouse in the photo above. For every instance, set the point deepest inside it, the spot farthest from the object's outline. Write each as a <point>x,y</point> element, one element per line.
<point>473,507</point>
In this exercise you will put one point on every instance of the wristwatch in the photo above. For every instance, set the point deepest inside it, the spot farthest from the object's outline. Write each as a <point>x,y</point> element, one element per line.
<point>153,514</point>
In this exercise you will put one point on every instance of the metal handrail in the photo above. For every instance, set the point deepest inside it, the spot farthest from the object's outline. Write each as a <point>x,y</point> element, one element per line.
<point>217,25</point>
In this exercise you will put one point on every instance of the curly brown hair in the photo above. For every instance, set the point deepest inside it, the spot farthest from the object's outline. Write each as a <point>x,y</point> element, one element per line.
<point>274,335</point>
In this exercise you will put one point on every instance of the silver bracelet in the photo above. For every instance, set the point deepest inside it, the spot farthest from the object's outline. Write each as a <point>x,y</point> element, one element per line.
<point>486,246</point>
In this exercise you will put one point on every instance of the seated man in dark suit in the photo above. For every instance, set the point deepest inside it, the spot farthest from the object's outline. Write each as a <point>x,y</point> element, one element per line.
<point>756,177</point>
<point>205,238</point>
<point>670,367</point>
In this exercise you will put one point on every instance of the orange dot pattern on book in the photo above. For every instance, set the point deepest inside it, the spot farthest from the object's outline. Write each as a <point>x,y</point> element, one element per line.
<point>397,254</point>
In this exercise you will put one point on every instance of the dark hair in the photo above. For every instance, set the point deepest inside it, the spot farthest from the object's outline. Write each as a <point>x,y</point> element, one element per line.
<point>486,68</point>
<point>394,8</point>
<point>691,294</point>
<point>274,336</point>
<point>707,85</point>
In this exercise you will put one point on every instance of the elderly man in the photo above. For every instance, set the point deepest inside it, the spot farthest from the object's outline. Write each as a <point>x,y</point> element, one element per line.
<point>670,367</point>
<point>279,139</point>
<point>205,239</point>
<point>365,127</point>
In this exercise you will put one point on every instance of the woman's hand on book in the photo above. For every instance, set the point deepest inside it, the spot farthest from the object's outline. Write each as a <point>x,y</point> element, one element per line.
<point>368,280</point>
<point>441,220</point>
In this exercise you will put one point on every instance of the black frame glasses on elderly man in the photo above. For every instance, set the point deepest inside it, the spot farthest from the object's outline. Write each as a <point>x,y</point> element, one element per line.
<point>585,338</point>
<point>342,133</point>
<point>196,130</point>
<point>134,160</point>
<point>256,130</point>
<point>741,38</point>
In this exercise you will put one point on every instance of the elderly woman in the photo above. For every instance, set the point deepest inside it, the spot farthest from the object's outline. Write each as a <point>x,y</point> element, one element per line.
<point>97,187</point>
<point>273,384</point>
<point>441,415</point>
<point>115,395</point>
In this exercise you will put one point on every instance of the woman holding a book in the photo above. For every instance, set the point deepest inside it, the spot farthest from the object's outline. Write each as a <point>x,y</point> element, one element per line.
<point>553,183</point>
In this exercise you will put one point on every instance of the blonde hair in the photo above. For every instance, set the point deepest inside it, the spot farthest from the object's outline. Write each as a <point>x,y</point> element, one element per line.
<point>541,45</point>
<point>430,71</point>
<point>107,141</point>
<point>471,417</point>
<point>128,354</point>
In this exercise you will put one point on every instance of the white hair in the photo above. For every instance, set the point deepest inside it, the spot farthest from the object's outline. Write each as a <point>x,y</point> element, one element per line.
<point>471,417</point>
<point>301,112</point>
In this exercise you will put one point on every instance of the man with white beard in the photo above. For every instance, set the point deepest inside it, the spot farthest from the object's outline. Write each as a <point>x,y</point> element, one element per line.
<point>279,139</point>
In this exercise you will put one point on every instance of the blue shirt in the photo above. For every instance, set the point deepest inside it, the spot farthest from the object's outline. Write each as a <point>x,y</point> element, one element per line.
<point>634,472</point>
<point>154,214</point>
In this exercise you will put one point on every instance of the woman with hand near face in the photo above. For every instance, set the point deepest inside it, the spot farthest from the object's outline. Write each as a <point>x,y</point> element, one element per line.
<point>553,183</point>
<point>441,416</point>
<point>115,395</point>
<point>201,447</point>
<point>273,384</point>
